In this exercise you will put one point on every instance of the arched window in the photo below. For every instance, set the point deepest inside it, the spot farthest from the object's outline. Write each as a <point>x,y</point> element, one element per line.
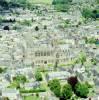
<point>37,53</point>
<point>45,62</point>
<point>44,53</point>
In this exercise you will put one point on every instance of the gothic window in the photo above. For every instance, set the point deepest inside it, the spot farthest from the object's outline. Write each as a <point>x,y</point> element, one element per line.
<point>44,53</point>
<point>48,53</point>
<point>37,54</point>
<point>45,62</point>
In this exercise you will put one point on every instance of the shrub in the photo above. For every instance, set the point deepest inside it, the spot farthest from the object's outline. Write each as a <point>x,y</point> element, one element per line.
<point>55,86</point>
<point>81,90</point>
<point>36,28</point>
<point>66,92</point>
<point>38,76</point>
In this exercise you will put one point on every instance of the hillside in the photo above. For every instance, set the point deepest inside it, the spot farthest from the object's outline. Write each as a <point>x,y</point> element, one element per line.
<point>49,49</point>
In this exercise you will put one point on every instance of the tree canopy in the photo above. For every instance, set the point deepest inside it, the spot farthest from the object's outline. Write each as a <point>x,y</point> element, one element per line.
<point>38,76</point>
<point>81,90</point>
<point>55,86</point>
<point>67,92</point>
<point>61,1</point>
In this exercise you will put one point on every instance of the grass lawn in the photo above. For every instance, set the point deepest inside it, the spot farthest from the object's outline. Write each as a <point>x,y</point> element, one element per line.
<point>41,1</point>
<point>44,85</point>
<point>14,84</point>
<point>31,98</point>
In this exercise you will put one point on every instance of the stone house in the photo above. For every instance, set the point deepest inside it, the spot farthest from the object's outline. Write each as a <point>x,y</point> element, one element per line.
<point>12,94</point>
<point>63,75</point>
<point>31,85</point>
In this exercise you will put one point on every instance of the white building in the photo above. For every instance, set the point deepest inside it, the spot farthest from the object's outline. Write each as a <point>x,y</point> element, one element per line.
<point>12,94</point>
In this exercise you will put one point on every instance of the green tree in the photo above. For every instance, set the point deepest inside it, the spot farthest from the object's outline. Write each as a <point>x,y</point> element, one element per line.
<point>92,40</point>
<point>94,61</point>
<point>1,70</point>
<point>97,1</point>
<point>61,5</point>
<point>36,28</point>
<point>38,76</point>
<point>4,3</point>
<point>81,90</point>
<point>19,1</point>
<point>20,79</point>
<point>55,86</point>
<point>87,13</point>
<point>67,91</point>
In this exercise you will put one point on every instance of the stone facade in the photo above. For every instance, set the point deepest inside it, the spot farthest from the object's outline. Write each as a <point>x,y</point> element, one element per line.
<point>49,55</point>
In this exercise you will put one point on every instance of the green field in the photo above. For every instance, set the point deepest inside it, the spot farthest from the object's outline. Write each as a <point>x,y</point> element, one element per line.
<point>41,1</point>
